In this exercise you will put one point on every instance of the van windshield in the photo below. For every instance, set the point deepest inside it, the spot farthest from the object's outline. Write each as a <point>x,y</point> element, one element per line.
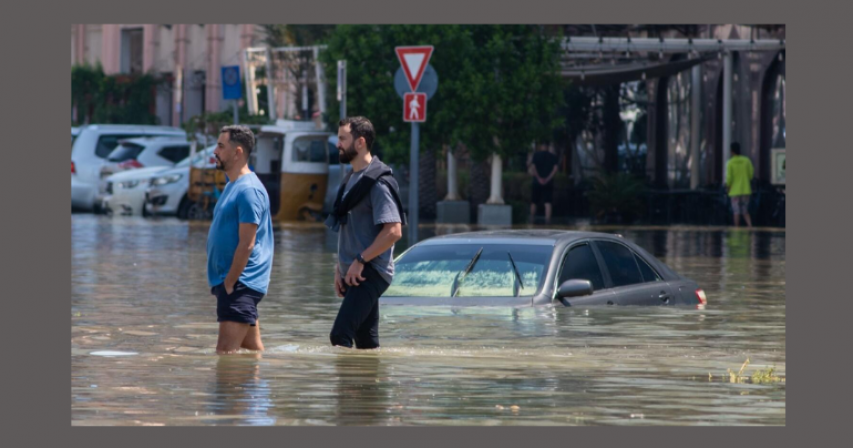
<point>310,149</point>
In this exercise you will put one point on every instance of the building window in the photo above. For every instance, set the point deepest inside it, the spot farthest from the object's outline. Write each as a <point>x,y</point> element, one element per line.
<point>131,50</point>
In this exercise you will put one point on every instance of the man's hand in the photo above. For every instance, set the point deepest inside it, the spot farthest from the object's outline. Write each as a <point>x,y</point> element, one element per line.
<point>354,274</point>
<point>541,180</point>
<point>340,290</point>
<point>229,289</point>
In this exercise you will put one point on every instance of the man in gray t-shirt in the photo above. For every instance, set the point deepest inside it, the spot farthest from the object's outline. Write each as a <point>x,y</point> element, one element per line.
<point>369,219</point>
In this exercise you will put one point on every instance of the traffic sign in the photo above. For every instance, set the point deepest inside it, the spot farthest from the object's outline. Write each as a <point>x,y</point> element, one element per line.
<point>414,107</point>
<point>414,61</point>
<point>428,85</point>
<point>231,83</point>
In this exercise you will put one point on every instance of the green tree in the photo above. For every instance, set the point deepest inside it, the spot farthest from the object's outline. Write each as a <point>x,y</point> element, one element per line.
<point>101,98</point>
<point>499,88</point>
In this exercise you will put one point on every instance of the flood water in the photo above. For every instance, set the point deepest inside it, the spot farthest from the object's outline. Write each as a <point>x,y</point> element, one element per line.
<point>143,332</point>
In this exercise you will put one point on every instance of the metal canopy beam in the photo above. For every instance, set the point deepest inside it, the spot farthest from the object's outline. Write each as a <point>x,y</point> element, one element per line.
<point>663,45</point>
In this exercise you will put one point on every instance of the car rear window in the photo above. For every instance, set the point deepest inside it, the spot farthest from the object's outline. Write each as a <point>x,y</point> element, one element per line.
<point>649,274</point>
<point>429,271</point>
<point>125,151</point>
<point>620,263</point>
<point>175,153</point>
<point>108,142</point>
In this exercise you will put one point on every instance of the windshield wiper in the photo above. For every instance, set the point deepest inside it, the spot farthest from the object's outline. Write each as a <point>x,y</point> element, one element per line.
<point>456,281</point>
<point>517,275</point>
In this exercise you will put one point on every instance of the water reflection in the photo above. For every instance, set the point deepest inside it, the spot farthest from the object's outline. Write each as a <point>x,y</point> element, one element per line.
<point>240,391</point>
<point>361,390</point>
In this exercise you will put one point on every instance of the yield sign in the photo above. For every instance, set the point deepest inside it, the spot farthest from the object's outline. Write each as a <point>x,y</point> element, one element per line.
<point>414,61</point>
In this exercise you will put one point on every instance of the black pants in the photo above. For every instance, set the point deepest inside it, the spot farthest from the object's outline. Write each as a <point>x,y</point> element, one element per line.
<point>358,318</point>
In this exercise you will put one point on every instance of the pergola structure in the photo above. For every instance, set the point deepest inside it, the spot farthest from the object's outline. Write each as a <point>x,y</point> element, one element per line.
<point>611,60</point>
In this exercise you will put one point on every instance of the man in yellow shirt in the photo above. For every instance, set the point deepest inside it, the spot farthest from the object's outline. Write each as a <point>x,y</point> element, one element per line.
<point>739,173</point>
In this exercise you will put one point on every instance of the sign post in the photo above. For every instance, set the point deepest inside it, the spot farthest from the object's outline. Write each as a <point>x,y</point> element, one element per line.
<point>342,87</point>
<point>414,61</point>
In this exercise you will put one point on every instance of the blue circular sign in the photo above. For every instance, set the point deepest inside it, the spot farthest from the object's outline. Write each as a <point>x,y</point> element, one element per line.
<point>231,76</point>
<point>428,85</point>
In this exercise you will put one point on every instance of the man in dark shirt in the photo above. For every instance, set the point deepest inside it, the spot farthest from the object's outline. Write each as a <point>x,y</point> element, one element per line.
<point>543,167</point>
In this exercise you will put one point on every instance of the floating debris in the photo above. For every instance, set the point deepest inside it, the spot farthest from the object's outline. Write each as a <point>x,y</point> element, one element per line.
<point>112,353</point>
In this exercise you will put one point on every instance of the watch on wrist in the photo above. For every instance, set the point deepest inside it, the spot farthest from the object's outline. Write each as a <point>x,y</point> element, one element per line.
<point>360,259</point>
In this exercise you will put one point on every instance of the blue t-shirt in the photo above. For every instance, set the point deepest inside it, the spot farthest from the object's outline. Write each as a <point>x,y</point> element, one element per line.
<point>243,201</point>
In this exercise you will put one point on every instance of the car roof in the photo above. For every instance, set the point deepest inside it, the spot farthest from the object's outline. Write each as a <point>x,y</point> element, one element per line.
<point>157,139</point>
<point>132,128</point>
<point>547,237</point>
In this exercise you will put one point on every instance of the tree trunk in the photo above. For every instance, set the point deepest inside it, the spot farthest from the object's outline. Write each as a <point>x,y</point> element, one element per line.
<point>481,173</point>
<point>427,194</point>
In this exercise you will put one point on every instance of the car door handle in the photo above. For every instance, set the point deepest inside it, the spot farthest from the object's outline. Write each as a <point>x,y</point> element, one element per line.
<point>663,296</point>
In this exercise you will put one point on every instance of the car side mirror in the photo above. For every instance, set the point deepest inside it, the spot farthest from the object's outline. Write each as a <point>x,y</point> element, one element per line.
<point>574,288</point>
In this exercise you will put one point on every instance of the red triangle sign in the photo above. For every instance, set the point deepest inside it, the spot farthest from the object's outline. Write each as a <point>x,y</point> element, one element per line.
<point>414,61</point>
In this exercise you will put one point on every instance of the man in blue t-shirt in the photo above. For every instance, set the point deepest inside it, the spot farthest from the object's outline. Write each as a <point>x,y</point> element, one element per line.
<point>239,244</point>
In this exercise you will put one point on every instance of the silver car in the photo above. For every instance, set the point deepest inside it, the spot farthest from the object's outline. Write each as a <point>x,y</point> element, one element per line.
<point>521,268</point>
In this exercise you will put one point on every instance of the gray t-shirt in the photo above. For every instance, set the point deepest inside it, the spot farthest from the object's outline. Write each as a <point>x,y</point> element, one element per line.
<point>364,222</point>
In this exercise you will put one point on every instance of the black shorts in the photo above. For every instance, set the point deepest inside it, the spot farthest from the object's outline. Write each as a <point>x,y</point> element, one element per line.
<point>239,306</point>
<point>542,193</point>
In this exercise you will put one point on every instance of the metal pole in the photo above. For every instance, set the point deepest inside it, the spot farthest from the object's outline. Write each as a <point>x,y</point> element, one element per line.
<point>270,87</point>
<point>695,93</point>
<point>342,87</point>
<point>236,115</point>
<point>251,88</point>
<point>727,111</point>
<point>321,83</point>
<point>413,185</point>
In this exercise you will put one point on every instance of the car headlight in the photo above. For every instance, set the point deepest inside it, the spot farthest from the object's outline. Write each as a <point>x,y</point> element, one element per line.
<point>128,184</point>
<point>157,181</point>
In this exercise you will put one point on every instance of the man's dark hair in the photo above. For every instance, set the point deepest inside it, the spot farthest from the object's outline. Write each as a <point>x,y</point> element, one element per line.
<point>240,135</point>
<point>735,147</point>
<point>360,127</point>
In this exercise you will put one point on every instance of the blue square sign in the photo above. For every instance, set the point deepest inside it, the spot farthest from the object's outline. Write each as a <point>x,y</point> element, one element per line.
<point>231,83</point>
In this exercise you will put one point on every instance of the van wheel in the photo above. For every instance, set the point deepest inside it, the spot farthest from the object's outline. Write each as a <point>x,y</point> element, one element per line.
<point>184,208</point>
<point>196,212</point>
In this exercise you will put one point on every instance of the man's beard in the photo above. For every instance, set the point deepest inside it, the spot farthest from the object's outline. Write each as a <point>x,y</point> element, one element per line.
<point>220,165</point>
<point>348,154</point>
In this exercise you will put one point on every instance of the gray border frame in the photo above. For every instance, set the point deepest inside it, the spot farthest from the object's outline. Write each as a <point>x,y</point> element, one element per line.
<point>36,94</point>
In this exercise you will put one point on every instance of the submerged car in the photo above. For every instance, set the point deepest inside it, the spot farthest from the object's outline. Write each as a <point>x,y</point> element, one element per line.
<point>521,268</point>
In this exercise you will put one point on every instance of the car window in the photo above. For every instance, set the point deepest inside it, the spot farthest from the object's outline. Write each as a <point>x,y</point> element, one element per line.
<point>649,274</point>
<point>333,154</point>
<point>429,271</point>
<point>108,142</point>
<point>175,154</point>
<point>125,151</point>
<point>580,263</point>
<point>200,156</point>
<point>620,263</point>
<point>310,150</point>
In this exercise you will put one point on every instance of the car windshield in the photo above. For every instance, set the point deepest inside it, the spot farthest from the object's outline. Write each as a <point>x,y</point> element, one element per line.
<point>432,270</point>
